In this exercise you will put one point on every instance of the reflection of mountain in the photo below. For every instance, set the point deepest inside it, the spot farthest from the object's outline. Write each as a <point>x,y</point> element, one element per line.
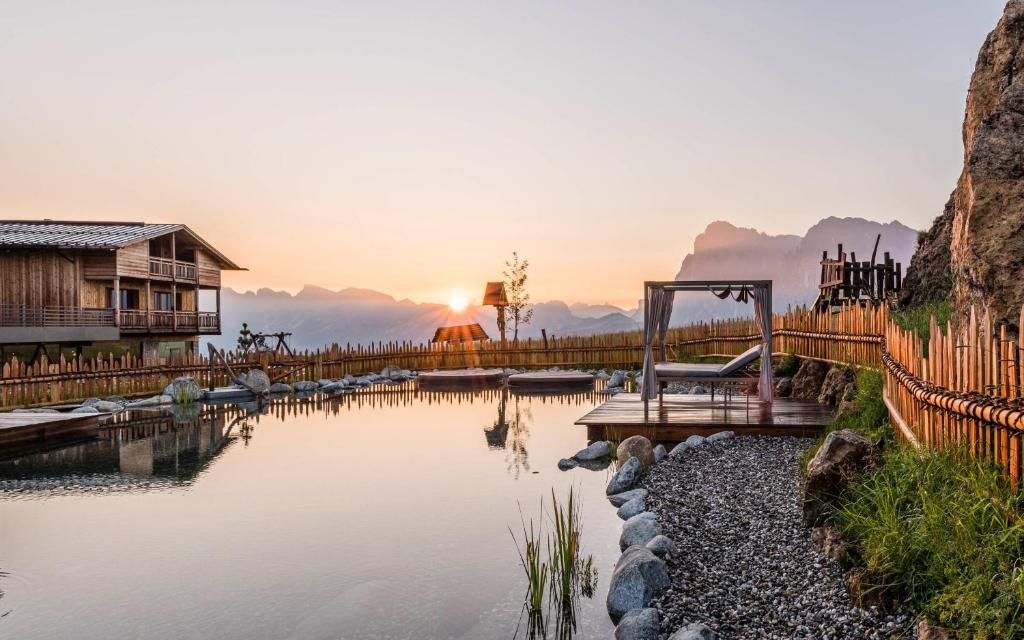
<point>792,262</point>
<point>318,317</point>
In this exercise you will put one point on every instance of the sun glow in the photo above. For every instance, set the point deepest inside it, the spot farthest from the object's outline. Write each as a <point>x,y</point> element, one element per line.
<point>458,302</point>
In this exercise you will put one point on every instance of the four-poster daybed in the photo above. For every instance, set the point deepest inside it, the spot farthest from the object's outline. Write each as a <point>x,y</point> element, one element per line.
<point>658,299</point>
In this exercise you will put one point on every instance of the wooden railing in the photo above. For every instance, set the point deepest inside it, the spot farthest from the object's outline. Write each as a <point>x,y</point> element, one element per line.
<point>170,321</point>
<point>168,268</point>
<point>17,315</point>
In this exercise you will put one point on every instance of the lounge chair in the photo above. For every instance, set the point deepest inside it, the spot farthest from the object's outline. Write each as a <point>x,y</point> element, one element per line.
<point>732,372</point>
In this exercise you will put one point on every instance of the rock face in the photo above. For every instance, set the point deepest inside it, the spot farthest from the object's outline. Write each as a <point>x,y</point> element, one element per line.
<point>837,387</point>
<point>808,379</point>
<point>638,577</point>
<point>985,216</point>
<point>842,457</point>
<point>637,447</point>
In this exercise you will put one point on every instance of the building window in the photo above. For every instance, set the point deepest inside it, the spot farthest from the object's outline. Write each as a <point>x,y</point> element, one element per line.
<point>129,298</point>
<point>162,301</point>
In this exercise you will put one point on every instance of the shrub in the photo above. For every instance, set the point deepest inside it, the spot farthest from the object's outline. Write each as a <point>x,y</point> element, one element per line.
<point>787,366</point>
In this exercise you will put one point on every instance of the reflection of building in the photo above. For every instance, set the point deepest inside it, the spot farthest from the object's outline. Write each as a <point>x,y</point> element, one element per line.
<point>160,447</point>
<point>460,333</point>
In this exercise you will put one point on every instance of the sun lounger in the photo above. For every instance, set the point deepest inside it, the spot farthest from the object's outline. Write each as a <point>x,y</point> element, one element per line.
<point>736,370</point>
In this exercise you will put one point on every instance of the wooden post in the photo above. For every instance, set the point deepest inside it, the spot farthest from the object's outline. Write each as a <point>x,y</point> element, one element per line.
<point>149,308</point>
<point>174,286</point>
<point>117,301</point>
<point>218,309</point>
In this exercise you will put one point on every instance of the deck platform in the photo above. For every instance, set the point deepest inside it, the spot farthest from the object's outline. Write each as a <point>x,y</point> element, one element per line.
<point>19,431</point>
<point>533,382</point>
<point>681,416</point>
<point>460,379</point>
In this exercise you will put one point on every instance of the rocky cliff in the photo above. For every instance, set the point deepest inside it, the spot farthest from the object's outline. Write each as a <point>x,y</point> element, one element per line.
<point>985,217</point>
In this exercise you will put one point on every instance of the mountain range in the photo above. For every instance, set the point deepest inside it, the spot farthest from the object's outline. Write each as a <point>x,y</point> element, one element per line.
<point>317,316</point>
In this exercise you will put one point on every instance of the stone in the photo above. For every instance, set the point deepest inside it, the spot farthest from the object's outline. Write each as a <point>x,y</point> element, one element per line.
<point>640,529</point>
<point>784,387</point>
<point>981,230</point>
<point>618,379</point>
<point>118,399</point>
<point>305,386</point>
<point>184,389</point>
<point>843,457</point>
<point>721,435</point>
<point>620,499</point>
<point>88,402</point>
<point>695,441</point>
<point>625,477</point>
<point>678,450</point>
<point>638,577</point>
<point>325,382</point>
<point>85,410</point>
<point>566,463</point>
<point>660,453</point>
<point>928,630</point>
<point>837,384</point>
<point>864,590</point>
<point>601,375</point>
<point>106,406</point>
<point>698,390</point>
<point>334,387</point>
<point>808,379</point>
<point>258,381</point>
<point>639,624</point>
<point>695,631</point>
<point>632,508</point>
<point>662,546</point>
<point>596,451</point>
<point>154,401</point>
<point>636,447</point>
<point>280,387</point>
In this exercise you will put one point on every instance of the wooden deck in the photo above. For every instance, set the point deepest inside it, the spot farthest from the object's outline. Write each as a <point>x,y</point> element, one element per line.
<point>681,416</point>
<point>19,431</point>
<point>550,381</point>
<point>460,379</point>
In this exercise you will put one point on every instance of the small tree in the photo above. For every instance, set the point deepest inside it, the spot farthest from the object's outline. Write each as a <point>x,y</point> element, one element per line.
<point>518,298</point>
<point>245,339</point>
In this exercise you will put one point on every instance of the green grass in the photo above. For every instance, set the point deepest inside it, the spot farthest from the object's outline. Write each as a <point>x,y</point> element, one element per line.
<point>787,366</point>
<point>918,319</point>
<point>942,534</point>
<point>869,417</point>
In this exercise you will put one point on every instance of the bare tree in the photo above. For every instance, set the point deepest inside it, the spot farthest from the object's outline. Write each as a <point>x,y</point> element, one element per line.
<point>518,298</point>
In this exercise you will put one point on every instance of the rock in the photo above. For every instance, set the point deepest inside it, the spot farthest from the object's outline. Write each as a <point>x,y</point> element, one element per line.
<point>721,435</point>
<point>662,546</point>
<point>660,453</point>
<point>618,379</point>
<point>85,410</point>
<point>639,624</point>
<point>625,477</point>
<point>184,389</point>
<point>154,401</point>
<point>632,508</point>
<point>258,381</point>
<point>324,382</point>
<point>841,458</point>
<point>695,441</point>
<point>636,447</point>
<point>601,375</point>
<point>928,630</point>
<point>305,386</point>
<point>88,402</point>
<point>846,408</point>
<point>678,450</point>
<point>698,390</point>
<point>596,451</point>
<point>695,631</point>
<point>837,384</point>
<point>566,463</point>
<point>118,399</point>
<point>106,406</point>
<point>808,379</point>
<point>784,387</point>
<point>865,591</point>
<point>620,499</point>
<point>640,529</point>
<point>639,576</point>
<point>280,387</point>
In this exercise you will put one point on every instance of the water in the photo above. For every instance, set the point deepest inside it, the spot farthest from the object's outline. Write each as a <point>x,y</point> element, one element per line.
<point>380,515</point>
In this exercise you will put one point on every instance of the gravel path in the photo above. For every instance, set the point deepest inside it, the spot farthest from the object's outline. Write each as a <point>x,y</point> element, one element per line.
<point>746,567</point>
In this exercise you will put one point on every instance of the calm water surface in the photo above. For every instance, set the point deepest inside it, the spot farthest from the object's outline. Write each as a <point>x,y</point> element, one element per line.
<point>379,515</point>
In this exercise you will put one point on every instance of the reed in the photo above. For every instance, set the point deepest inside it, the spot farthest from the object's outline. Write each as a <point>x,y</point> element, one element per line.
<point>536,570</point>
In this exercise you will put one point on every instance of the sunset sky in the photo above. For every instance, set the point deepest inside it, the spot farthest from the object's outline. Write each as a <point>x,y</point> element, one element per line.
<point>411,147</point>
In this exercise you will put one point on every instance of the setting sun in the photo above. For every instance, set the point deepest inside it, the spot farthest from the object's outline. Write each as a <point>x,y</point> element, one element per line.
<point>458,302</point>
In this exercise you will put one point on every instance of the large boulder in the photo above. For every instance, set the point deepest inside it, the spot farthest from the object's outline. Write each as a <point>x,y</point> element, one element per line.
<point>618,379</point>
<point>624,479</point>
<point>638,577</point>
<point>636,447</point>
<point>695,631</point>
<point>639,529</point>
<point>808,379</point>
<point>639,624</point>
<point>837,386</point>
<point>843,457</point>
<point>184,389</point>
<point>258,381</point>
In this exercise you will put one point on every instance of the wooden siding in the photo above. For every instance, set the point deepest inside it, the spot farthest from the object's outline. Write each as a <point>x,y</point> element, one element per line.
<point>99,265</point>
<point>39,278</point>
<point>133,260</point>
<point>208,269</point>
<point>94,294</point>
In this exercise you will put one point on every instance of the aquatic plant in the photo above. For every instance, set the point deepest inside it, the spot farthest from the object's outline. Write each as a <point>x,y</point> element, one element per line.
<point>182,394</point>
<point>535,569</point>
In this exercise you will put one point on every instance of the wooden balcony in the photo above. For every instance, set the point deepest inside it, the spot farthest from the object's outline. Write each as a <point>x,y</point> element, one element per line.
<point>167,269</point>
<point>134,321</point>
<point>26,323</point>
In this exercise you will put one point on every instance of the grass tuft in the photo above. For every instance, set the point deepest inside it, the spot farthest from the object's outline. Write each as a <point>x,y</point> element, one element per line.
<point>918,319</point>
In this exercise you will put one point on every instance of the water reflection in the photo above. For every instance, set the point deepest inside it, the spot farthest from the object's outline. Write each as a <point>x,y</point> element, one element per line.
<point>511,432</point>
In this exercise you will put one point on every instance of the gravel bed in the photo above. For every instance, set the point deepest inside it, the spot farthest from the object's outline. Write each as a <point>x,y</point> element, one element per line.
<point>746,567</point>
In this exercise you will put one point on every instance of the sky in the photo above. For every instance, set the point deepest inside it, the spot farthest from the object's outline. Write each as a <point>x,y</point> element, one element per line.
<point>411,147</point>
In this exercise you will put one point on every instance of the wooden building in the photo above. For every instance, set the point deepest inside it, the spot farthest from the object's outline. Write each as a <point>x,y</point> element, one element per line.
<point>460,333</point>
<point>78,283</point>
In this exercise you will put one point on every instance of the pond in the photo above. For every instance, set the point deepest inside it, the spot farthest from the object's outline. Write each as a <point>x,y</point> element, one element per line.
<point>382,514</point>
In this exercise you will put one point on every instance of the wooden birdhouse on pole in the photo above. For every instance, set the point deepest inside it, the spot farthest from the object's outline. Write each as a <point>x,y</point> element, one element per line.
<point>494,295</point>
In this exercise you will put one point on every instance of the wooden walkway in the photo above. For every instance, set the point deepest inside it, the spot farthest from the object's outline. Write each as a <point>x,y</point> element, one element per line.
<point>24,430</point>
<point>681,416</point>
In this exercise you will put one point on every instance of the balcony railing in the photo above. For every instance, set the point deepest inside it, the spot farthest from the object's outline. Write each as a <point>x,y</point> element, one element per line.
<point>19,315</point>
<point>167,268</point>
<point>168,321</point>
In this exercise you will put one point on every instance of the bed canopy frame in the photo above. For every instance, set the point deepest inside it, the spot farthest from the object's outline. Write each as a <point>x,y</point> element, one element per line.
<point>658,299</point>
